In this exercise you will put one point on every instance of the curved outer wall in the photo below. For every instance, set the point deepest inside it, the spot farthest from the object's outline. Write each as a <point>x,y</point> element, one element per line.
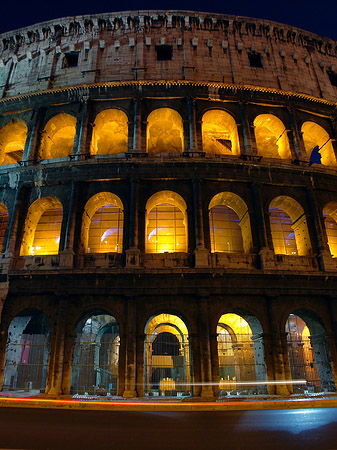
<point>75,69</point>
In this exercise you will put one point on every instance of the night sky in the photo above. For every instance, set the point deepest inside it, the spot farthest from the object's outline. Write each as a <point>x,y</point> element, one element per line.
<point>318,16</point>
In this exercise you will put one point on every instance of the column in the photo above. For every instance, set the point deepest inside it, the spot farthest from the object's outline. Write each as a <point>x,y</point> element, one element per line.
<point>334,137</point>
<point>130,363</point>
<point>325,260</point>
<point>133,252</point>
<point>79,146</point>
<point>31,143</point>
<point>266,255</point>
<point>213,340</point>
<point>247,132</point>
<point>295,137</point>
<point>196,358</point>
<point>55,376</point>
<point>201,253</point>
<point>68,229</point>
<point>205,350</point>
<point>193,143</point>
<point>276,352</point>
<point>137,126</point>
<point>140,364</point>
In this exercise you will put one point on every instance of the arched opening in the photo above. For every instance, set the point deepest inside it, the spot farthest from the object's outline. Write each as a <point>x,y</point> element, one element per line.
<point>164,133</point>
<point>219,133</point>
<point>102,224</point>
<point>288,226</point>
<point>166,223</point>
<point>308,352</point>
<point>318,144</point>
<point>110,133</point>
<point>241,355</point>
<point>57,137</point>
<point>3,224</point>
<point>96,355</point>
<point>12,141</point>
<point>42,230</point>
<point>330,218</point>
<point>168,368</point>
<point>271,137</point>
<point>27,352</point>
<point>229,224</point>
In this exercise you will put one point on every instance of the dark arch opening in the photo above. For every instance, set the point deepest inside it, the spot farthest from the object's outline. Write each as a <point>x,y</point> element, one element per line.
<point>27,352</point>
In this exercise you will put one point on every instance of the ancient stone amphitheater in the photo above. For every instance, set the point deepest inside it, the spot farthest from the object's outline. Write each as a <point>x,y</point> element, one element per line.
<point>168,206</point>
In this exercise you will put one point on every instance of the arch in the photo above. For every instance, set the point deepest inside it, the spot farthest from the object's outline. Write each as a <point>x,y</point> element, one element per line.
<point>167,356</point>
<point>219,133</point>
<point>330,222</point>
<point>271,137</point>
<point>241,354</point>
<point>166,223</point>
<point>110,133</point>
<point>42,229</point>
<point>27,352</point>
<point>3,223</point>
<point>308,353</point>
<point>229,223</point>
<point>315,137</point>
<point>13,137</point>
<point>289,227</point>
<point>95,363</point>
<point>164,132</point>
<point>57,138</point>
<point>102,224</point>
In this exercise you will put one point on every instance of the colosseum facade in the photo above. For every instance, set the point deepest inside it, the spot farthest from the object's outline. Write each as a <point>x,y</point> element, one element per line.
<point>168,207</point>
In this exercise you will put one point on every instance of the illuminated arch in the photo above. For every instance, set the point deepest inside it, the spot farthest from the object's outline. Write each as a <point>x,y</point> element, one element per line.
<point>316,136</point>
<point>3,223</point>
<point>167,355</point>
<point>330,222</point>
<point>110,133</point>
<point>241,358</point>
<point>308,352</point>
<point>12,141</point>
<point>164,132</point>
<point>102,224</point>
<point>57,138</point>
<point>166,223</point>
<point>229,223</point>
<point>271,137</point>
<point>41,234</point>
<point>27,351</point>
<point>288,226</point>
<point>95,363</point>
<point>219,133</point>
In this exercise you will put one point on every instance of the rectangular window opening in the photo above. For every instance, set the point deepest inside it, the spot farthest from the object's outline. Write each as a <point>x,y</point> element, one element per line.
<point>255,59</point>
<point>333,78</point>
<point>70,59</point>
<point>164,52</point>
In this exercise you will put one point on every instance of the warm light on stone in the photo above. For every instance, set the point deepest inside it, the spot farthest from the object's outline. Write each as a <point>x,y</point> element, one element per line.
<point>271,137</point>
<point>12,142</point>
<point>164,131</point>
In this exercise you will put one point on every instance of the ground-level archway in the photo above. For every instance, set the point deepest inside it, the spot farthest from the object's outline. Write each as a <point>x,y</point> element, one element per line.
<point>308,353</point>
<point>242,367</point>
<point>167,356</point>
<point>96,355</point>
<point>27,352</point>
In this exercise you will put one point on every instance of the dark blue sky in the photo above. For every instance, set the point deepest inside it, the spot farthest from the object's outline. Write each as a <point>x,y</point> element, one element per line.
<point>313,15</point>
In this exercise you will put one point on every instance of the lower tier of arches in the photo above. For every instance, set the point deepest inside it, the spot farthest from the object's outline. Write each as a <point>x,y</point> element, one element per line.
<point>172,346</point>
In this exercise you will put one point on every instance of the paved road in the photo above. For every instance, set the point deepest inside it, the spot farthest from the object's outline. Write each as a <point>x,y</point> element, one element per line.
<point>309,429</point>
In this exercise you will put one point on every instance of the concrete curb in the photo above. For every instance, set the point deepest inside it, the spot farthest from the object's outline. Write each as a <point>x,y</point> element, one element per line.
<point>165,406</point>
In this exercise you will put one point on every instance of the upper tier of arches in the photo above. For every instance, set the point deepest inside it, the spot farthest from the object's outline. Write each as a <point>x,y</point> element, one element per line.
<point>172,128</point>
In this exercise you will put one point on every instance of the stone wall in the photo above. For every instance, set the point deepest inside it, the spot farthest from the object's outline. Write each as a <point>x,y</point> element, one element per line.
<point>202,47</point>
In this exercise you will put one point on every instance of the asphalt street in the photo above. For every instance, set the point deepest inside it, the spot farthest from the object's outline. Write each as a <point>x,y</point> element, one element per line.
<point>24,428</point>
